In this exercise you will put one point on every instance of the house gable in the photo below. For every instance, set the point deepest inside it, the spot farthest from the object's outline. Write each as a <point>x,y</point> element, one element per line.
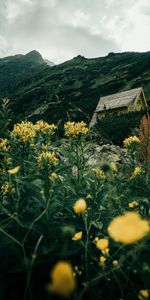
<point>120,103</point>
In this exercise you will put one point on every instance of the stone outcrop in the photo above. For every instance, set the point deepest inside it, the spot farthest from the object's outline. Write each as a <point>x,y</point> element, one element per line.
<point>107,153</point>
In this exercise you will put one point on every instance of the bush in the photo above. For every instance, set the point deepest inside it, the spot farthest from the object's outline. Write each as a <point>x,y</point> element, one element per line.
<point>117,128</point>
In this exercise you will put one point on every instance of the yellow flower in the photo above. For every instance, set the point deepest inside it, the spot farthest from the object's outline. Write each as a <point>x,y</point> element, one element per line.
<point>99,172</point>
<point>129,141</point>
<point>102,260</point>
<point>128,228</point>
<point>113,167</point>
<point>63,281</point>
<point>24,131</point>
<point>48,157</point>
<point>53,177</point>
<point>133,204</point>
<point>4,145</point>
<point>102,244</point>
<point>14,170</point>
<point>77,236</point>
<point>44,127</point>
<point>6,188</point>
<point>137,171</point>
<point>73,129</point>
<point>115,263</point>
<point>80,206</point>
<point>143,294</point>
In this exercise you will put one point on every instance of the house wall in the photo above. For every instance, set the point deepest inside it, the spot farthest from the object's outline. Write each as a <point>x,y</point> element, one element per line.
<point>114,112</point>
<point>138,104</point>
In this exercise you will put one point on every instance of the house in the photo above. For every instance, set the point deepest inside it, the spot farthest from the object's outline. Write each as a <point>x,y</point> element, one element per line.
<point>119,103</point>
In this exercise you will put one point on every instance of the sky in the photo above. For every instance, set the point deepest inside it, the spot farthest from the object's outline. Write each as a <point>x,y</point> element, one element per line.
<point>63,29</point>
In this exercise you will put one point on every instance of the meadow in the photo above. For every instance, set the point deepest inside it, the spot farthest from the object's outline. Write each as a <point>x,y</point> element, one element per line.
<point>68,229</point>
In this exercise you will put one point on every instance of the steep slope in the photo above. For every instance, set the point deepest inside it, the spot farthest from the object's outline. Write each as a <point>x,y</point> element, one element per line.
<point>72,89</point>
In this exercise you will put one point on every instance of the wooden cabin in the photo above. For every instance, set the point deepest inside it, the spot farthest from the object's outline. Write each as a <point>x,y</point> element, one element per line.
<point>120,103</point>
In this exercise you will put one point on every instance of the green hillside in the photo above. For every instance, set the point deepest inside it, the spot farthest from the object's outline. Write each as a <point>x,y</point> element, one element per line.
<point>72,89</point>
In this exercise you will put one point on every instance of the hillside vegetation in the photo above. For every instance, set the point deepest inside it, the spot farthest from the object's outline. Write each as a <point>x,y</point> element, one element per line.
<point>72,89</point>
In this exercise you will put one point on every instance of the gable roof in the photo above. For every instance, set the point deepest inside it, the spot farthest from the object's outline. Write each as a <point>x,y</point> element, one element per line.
<point>118,100</point>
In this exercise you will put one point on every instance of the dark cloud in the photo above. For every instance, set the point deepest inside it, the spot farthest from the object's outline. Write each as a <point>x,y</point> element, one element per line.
<point>61,29</point>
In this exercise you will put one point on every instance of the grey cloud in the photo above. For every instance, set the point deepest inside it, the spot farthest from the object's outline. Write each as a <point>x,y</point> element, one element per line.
<point>61,29</point>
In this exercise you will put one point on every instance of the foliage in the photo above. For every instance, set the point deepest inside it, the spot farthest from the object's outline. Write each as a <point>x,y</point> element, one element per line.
<point>5,117</point>
<point>56,211</point>
<point>127,123</point>
<point>144,135</point>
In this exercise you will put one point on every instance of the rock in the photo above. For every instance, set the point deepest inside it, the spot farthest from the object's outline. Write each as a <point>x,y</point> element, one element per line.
<point>107,153</point>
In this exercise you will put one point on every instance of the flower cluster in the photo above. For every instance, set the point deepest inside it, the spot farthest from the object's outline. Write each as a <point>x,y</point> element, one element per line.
<point>129,141</point>
<point>24,131</point>
<point>4,146</point>
<point>137,171</point>
<point>128,228</point>
<point>133,204</point>
<point>44,127</point>
<point>48,158</point>
<point>73,129</point>
<point>6,187</point>
<point>99,172</point>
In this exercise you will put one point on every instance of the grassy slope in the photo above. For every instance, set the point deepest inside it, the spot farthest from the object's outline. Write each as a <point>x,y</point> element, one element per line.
<point>72,89</point>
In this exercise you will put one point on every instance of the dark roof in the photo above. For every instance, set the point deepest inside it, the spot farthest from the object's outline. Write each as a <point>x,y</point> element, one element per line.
<point>117,100</point>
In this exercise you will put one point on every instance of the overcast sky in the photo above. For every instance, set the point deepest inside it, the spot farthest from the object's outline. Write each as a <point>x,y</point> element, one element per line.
<point>62,29</point>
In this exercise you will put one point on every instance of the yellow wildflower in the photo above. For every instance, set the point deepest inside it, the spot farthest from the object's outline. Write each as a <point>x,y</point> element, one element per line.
<point>6,187</point>
<point>77,236</point>
<point>53,177</point>
<point>143,294</point>
<point>113,167</point>
<point>80,206</point>
<point>102,244</point>
<point>45,146</point>
<point>129,141</point>
<point>73,129</point>
<point>4,146</point>
<point>102,260</point>
<point>128,228</point>
<point>44,127</point>
<point>24,131</point>
<point>48,157</point>
<point>137,171</point>
<point>133,204</point>
<point>63,281</point>
<point>14,170</point>
<point>115,263</point>
<point>99,172</point>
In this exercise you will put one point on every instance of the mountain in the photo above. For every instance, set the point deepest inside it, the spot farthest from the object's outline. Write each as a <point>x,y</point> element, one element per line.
<point>18,70</point>
<point>72,89</point>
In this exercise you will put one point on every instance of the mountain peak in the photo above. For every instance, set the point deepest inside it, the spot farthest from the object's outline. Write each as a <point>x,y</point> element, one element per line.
<point>34,56</point>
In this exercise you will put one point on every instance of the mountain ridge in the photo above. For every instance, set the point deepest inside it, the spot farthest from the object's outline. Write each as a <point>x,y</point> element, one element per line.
<point>71,90</point>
